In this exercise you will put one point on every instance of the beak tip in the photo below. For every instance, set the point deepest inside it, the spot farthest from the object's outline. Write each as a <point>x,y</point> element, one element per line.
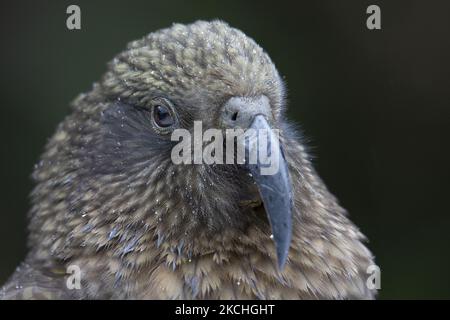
<point>282,262</point>
<point>282,248</point>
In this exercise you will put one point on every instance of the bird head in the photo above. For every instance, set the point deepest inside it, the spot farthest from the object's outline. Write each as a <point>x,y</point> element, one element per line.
<point>107,180</point>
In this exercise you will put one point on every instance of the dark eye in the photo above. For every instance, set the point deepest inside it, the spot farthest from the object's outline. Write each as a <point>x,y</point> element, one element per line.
<point>163,117</point>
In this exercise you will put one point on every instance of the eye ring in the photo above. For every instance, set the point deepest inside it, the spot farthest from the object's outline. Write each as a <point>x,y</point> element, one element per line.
<point>163,116</point>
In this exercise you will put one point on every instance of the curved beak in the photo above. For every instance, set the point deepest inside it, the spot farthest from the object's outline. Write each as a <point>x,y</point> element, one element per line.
<point>265,160</point>
<point>270,172</point>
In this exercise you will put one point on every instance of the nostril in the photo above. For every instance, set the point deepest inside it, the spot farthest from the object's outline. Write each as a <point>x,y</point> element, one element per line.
<point>234,116</point>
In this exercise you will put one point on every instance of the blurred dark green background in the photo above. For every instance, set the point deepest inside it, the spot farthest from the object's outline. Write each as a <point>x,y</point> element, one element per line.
<point>375,106</point>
